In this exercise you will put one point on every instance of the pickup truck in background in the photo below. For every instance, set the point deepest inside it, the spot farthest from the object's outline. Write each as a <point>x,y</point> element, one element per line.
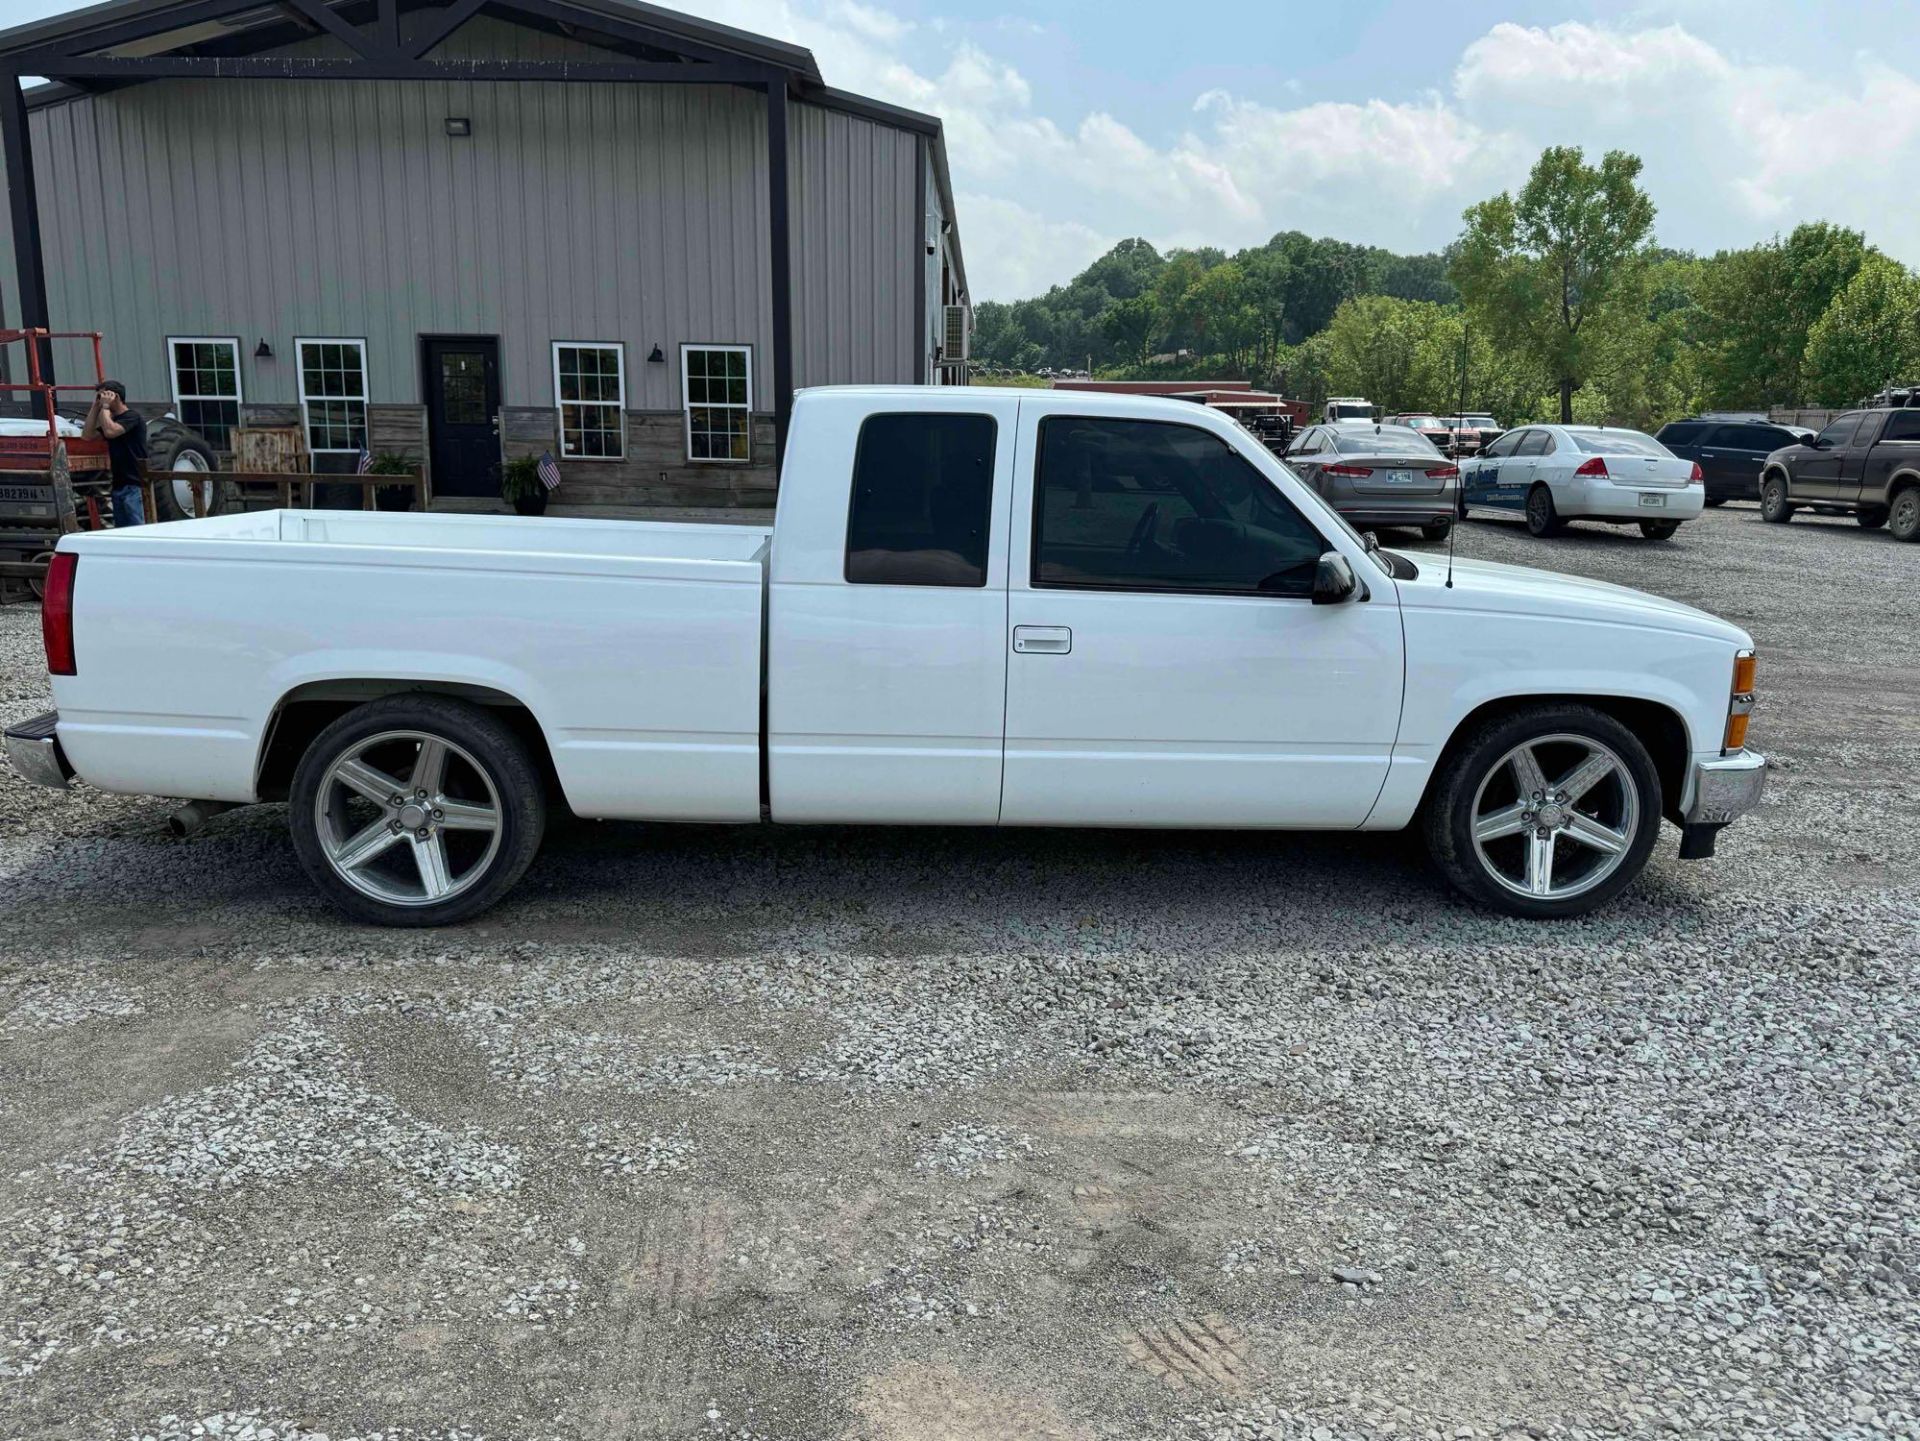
<point>974,607</point>
<point>1866,463</point>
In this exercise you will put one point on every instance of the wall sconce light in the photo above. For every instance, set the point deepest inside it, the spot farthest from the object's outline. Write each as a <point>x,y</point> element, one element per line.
<point>263,351</point>
<point>659,356</point>
<point>459,125</point>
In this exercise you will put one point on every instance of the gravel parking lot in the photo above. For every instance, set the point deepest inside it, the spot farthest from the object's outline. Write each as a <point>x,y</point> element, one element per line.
<point>887,1135</point>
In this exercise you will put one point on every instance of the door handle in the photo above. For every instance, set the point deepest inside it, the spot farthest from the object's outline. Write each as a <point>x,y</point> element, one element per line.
<point>1042,640</point>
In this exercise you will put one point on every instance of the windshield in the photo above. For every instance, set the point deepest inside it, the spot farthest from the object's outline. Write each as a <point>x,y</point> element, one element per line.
<point>1478,422</point>
<point>1617,442</point>
<point>1352,412</point>
<point>1385,440</point>
<point>1421,422</point>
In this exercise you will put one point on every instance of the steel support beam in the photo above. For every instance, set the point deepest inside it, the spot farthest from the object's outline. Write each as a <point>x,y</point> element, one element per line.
<point>321,13</point>
<point>780,239</point>
<point>23,209</point>
<point>449,20</point>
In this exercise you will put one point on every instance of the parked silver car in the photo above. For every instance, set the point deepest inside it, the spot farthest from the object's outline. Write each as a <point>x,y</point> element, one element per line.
<point>1379,475</point>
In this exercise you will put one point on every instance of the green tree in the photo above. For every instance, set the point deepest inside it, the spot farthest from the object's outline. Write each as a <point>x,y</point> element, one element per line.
<point>1544,271</point>
<point>1757,306</point>
<point>1131,327</point>
<point>1868,336</point>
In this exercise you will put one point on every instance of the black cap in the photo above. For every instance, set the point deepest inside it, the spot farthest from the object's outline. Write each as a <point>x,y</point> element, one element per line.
<point>116,387</point>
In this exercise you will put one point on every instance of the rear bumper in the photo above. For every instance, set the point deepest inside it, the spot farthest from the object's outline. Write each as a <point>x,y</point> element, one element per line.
<point>1605,501</point>
<point>1425,510</point>
<point>33,749</point>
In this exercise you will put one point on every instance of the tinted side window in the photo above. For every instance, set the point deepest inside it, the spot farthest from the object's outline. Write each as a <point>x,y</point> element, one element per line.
<point>1841,431</point>
<point>922,500</point>
<point>1683,432</point>
<point>1506,444</point>
<point>1903,425</point>
<point>1762,438</point>
<point>1154,505</point>
<point>1537,442</point>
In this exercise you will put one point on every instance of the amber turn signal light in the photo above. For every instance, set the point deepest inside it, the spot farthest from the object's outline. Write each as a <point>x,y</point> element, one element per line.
<point>1737,731</point>
<point>1740,704</point>
<point>1743,670</point>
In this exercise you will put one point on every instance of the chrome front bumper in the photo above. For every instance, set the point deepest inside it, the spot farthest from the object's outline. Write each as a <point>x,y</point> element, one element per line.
<point>33,748</point>
<point>1724,789</point>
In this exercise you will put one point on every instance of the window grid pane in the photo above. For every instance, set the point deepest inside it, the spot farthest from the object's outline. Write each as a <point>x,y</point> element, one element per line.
<point>589,382</point>
<point>333,387</point>
<point>206,387</point>
<point>718,399</point>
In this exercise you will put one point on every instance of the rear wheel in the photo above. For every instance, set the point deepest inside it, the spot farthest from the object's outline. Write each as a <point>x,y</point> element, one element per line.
<point>416,811</point>
<point>1439,530</point>
<point>1550,811</point>
<point>192,462</point>
<point>1542,518</point>
<point>1773,501</point>
<point>1659,529</point>
<point>1903,516</point>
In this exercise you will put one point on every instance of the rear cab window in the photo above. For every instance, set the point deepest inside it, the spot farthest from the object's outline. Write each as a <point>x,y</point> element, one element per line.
<point>1903,425</point>
<point>922,503</point>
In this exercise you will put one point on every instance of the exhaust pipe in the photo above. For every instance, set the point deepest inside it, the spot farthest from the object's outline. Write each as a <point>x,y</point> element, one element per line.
<point>195,814</point>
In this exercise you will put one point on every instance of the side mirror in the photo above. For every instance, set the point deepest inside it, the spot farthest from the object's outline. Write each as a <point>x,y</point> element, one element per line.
<point>1333,580</point>
<point>1814,442</point>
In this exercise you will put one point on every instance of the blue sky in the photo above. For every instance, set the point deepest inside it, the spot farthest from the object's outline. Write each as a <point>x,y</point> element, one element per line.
<point>1081,122</point>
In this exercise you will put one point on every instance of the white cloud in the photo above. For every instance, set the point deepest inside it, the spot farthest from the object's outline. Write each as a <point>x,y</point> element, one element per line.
<point>1734,148</point>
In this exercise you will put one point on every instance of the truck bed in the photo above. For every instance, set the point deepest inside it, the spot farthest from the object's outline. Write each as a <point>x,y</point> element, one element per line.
<point>190,636</point>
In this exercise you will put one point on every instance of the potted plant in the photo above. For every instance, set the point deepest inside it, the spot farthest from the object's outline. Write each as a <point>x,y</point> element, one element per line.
<point>520,483</point>
<point>393,497</point>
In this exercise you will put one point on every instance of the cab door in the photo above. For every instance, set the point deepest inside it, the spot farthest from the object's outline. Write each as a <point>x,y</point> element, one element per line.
<point>1166,663</point>
<point>1497,479</point>
<point>1817,472</point>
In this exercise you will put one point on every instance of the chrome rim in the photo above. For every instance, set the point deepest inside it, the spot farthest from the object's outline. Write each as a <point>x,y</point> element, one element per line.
<point>415,841</point>
<point>188,463</point>
<point>1537,509</point>
<point>1553,839</point>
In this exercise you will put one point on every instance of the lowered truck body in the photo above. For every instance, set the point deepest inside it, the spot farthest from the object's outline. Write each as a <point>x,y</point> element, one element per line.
<point>974,607</point>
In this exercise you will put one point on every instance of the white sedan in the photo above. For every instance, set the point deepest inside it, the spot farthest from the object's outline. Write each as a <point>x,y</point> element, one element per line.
<point>1552,474</point>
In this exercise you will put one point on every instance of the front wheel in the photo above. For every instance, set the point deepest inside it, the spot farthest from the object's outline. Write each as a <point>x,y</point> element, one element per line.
<point>416,811</point>
<point>1439,530</point>
<point>1903,516</point>
<point>1659,529</point>
<point>1547,812</point>
<point>1542,518</point>
<point>1773,501</point>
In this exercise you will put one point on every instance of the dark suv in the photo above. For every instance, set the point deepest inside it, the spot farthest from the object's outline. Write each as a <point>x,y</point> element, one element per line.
<point>1730,453</point>
<point>1866,463</point>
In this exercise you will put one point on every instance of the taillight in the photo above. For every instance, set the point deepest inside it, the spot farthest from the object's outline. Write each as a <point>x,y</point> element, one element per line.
<point>1596,466</point>
<point>1352,472</point>
<point>1740,702</point>
<point>56,613</point>
<point>1698,473</point>
<point>1443,472</point>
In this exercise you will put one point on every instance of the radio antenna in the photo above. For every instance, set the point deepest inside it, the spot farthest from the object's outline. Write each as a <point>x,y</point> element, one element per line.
<point>1452,532</point>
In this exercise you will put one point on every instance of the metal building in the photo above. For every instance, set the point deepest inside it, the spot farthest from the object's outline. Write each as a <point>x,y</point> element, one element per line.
<point>462,228</point>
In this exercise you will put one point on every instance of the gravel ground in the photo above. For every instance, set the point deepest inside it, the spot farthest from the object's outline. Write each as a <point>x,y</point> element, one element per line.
<point>881,1134</point>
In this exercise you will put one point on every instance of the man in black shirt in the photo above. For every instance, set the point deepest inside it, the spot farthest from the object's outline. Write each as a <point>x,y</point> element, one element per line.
<point>126,432</point>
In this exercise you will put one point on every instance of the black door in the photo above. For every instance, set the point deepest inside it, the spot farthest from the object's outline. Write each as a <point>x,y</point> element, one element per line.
<point>463,412</point>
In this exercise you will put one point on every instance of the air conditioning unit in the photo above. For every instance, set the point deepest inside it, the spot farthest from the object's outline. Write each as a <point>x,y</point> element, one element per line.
<point>956,334</point>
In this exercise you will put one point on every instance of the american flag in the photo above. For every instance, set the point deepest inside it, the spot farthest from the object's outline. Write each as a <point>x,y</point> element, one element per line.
<point>549,470</point>
<point>365,467</point>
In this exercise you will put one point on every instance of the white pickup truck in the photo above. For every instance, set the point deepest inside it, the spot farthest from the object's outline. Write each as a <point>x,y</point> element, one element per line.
<point>974,607</point>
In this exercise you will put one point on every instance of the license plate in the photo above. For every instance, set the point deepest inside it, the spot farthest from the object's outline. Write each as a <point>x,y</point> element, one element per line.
<point>1395,477</point>
<point>28,493</point>
<point>1649,498</point>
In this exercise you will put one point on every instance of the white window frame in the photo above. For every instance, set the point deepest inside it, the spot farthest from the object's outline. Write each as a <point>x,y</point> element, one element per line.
<point>686,402</point>
<point>180,398</point>
<point>619,348</point>
<point>359,343</point>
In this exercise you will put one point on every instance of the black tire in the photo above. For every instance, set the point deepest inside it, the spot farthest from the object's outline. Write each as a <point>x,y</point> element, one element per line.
<point>1774,505</point>
<point>171,446</point>
<point>1439,530</point>
<point>484,753</point>
<point>1871,518</point>
<point>1903,516</point>
<point>1542,518</point>
<point>1659,529</point>
<point>1448,811</point>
